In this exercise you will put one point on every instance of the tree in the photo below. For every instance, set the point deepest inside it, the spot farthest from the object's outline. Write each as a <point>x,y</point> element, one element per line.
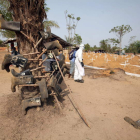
<point>4,6</point>
<point>1,42</point>
<point>133,47</point>
<point>113,40</point>
<point>31,15</point>
<point>87,47</point>
<point>50,23</point>
<point>77,39</point>
<point>132,38</point>
<point>121,31</point>
<point>103,45</point>
<point>71,24</point>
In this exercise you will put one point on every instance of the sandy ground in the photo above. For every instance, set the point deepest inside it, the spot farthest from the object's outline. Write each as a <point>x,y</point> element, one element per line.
<point>105,60</point>
<point>104,100</point>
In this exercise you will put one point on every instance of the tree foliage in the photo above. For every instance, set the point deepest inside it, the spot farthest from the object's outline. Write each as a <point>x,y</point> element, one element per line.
<point>120,31</point>
<point>87,47</point>
<point>4,10</point>
<point>133,47</point>
<point>4,5</point>
<point>50,23</point>
<point>113,40</point>
<point>71,25</point>
<point>77,39</point>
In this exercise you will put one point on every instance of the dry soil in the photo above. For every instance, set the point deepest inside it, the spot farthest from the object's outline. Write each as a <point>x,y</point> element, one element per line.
<point>105,99</point>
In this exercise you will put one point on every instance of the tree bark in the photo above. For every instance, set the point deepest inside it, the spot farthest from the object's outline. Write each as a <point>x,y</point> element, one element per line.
<point>30,13</point>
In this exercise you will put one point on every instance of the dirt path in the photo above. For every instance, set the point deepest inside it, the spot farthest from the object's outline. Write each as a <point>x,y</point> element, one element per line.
<point>104,102</point>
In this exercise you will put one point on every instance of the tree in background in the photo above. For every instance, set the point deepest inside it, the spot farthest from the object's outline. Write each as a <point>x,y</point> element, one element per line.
<point>95,47</point>
<point>87,47</point>
<point>114,41</point>
<point>50,23</point>
<point>71,25</point>
<point>133,47</point>
<point>132,38</point>
<point>121,31</point>
<point>103,45</point>
<point>1,42</point>
<point>77,39</point>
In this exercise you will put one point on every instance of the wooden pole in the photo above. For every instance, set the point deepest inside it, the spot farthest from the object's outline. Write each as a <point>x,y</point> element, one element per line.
<point>27,37</point>
<point>71,98</point>
<point>41,53</point>
<point>43,61</point>
<point>54,95</point>
<point>37,68</point>
<point>31,53</point>
<point>34,59</point>
<point>38,43</point>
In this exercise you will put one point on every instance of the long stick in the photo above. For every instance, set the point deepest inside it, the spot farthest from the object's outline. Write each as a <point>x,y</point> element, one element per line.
<point>27,37</point>
<point>43,61</point>
<point>37,68</point>
<point>41,53</point>
<point>38,43</point>
<point>31,53</point>
<point>71,98</point>
<point>57,102</point>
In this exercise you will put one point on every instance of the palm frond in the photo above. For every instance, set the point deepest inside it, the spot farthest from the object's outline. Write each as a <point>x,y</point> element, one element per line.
<point>50,23</point>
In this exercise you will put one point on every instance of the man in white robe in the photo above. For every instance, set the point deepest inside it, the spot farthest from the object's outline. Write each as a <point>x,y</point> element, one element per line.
<point>79,65</point>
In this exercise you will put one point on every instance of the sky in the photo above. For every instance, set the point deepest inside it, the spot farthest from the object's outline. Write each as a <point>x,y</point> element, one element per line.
<point>98,17</point>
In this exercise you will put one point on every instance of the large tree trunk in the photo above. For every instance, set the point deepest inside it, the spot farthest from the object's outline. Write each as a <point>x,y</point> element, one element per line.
<point>30,13</point>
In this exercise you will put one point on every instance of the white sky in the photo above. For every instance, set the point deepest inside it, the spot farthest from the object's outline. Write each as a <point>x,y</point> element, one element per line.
<point>97,18</point>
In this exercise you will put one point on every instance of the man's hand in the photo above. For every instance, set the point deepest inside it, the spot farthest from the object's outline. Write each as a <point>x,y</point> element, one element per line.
<point>82,64</point>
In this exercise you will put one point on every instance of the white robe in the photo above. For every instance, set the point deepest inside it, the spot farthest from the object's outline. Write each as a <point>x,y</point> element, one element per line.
<point>79,70</point>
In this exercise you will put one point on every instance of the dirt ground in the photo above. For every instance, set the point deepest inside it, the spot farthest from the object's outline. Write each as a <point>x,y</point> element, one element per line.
<point>104,100</point>
<point>104,60</point>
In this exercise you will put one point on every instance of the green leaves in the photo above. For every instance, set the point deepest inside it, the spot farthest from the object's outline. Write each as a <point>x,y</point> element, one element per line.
<point>71,24</point>
<point>113,40</point>
<point>87,47</point>
<point>50,23</point>
<point>121,30</point>
<point>133,47</point>
<point>77,39</point>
